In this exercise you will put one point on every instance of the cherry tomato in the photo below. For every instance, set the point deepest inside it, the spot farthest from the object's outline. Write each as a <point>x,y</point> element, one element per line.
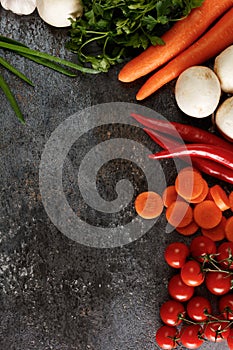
<point>218,283</point>
<point>191,336</point>
<point>178,290</point>
<point>225,253</point>
<point>217,331</point>
<point>201,246</point>
<point>191,274</point>
<point>226,306</point>
<point>230,339</point>
<point>166,337</point>
<point>170,312</point>
<point>175,254</point>
<point>197,308</point>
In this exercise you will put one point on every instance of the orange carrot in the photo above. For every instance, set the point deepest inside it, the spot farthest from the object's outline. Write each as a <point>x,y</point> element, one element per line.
<point>169,196</point>
<point>179,214</point>
<point>209,45</point>
<point>203,194</point>
<point>229,229</point>
<point>207,215</point>
<point>216,233</point>
<point>189,184</point>
<point>181,35</point>
<point>231,200</point>
<point>149,205</point>
<point>188,230</point>
<point>220,197</point>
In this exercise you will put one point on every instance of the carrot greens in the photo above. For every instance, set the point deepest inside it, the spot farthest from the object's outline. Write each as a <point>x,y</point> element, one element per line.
<point>117,27</point>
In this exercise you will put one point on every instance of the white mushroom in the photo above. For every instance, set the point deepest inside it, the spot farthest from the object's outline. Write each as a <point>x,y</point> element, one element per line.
<point>20,7</point>
<point>224,119</point>
<point>58,12</point>
<point>223,67</point>
<point>198,91</point>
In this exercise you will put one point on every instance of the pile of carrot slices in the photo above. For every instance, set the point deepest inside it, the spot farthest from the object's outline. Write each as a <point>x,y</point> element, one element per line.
<point>190,204</point>
<point>189,42</point>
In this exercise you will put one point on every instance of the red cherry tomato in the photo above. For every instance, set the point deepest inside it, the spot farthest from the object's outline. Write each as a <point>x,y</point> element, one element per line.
<point>175,254</point>
<point>178,290</point>
<point>218,283</point>
<point>191,336</point>
<point>217,331</point>
<point>171,311</point>
<point>166,337</point>
<point>202,246</point>
<point>225,253</point>
<point>230,339</point>
<point>197,308</point>
<point>191,274</point>
<point>226,306</point>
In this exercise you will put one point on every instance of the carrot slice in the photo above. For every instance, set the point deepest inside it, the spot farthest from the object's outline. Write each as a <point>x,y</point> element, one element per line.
<point>149,205</point>
<point>229,229</point>
<point>220,197</point>
<point>203,194</point>
<point>170,195</point>
<point>215,40</point>
<point>188,230</point>
<point>181,35</point>
<point>231,200</point>
<point>189,184</point>
<point>207,215</point>
<point>179,214</point>
<point>216,233</point>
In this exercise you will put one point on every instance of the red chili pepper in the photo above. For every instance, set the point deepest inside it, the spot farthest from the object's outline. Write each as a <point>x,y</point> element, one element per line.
<point>187,132</point>
<point>216,154</point>
<point>207,166</point>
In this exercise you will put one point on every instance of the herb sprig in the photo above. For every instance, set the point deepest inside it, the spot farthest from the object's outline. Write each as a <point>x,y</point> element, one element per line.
<point>109,30</point>
<point>42,58</point>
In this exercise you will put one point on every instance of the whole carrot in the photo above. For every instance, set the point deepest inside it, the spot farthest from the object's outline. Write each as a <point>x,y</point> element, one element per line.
<point>210,44</point>
<point>181,35</point>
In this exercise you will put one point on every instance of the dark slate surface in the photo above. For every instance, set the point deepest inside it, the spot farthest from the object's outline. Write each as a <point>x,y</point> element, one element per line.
<point>55,293</point>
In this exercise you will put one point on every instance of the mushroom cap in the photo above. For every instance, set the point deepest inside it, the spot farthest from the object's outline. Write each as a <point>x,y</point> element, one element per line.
<point>223,67</point>
<point>224,119</point>
<point>198,91</point>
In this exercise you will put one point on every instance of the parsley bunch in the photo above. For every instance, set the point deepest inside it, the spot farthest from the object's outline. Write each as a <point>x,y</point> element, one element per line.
<point>110,30</point>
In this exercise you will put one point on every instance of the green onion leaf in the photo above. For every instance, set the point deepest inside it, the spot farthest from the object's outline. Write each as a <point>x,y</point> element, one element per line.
<point>15,71</point>
<point>5,88</point>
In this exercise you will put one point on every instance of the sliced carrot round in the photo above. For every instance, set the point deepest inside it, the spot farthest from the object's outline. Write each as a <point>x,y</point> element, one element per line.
<point>229,229</point>
<point>220,197</point>
<point>231,200</point>
<point>216,233</point>
<point>189,184</point>
<point>179,214</point>
<point>169,196</point>
<point>207,215</point>
<point>188,230</point>
<point>203,194</point>
<point>149,205</point>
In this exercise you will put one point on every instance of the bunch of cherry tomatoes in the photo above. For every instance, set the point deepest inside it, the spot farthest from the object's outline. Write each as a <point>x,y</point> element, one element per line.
<point>189,318</point>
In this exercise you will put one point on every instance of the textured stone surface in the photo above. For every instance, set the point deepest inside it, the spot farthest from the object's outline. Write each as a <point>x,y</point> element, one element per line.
<point>55,293</point>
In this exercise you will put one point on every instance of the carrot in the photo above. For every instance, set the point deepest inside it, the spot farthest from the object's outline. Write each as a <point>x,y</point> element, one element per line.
<point>231,200</point>
<point>220,197</point>
<point>179,214</point>
<point>181,35</point>
<point>229,229</point>
<point>188,230</point>
<point>149,205</point>
<point>210,44</point>
<point>203,194</point>
<point>216,233</point>
<point>169,196</point>
<point>189,184</point>
<point>207,215</point>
